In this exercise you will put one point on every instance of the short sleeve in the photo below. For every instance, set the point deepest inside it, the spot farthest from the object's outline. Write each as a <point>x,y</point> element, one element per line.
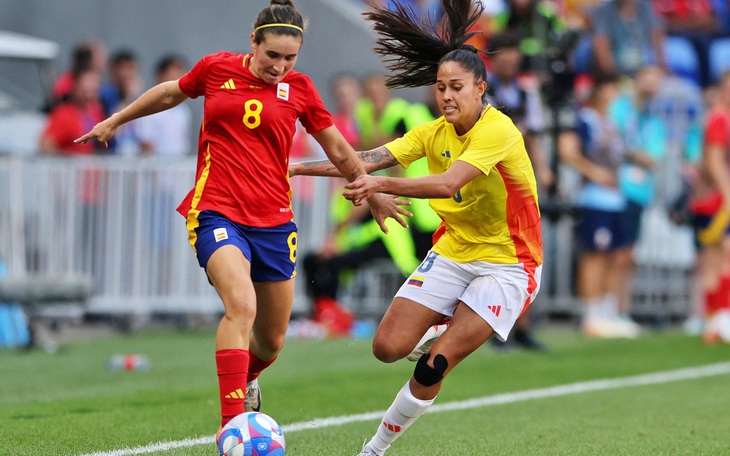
<point>192,83</point>
<point>717,132</point>
<point>409,147</point>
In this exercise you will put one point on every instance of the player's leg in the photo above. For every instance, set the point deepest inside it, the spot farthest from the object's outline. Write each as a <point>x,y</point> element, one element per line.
<point>274,306</point>
<point>273,253</point>
<point>401,329</point>
<point>467,332</point>
<point>229,272</point>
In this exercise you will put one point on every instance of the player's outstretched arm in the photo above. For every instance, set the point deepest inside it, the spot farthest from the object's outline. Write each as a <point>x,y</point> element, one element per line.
<point>373,160</point>
<point>159,98</point>
<point>347,164</point>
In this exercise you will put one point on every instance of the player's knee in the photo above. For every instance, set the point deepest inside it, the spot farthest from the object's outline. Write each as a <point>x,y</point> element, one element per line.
<point>386,351</point>
<point>270,343</point>
<point>427,375</point>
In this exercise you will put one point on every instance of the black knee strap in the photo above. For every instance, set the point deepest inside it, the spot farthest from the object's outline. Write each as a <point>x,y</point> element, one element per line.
<point>427,375</point>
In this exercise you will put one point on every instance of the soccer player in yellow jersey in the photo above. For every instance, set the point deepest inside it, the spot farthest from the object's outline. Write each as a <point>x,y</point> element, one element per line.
<point>484,271</point>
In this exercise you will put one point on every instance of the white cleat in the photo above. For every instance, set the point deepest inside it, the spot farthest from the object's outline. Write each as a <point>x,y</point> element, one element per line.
<point>366,451</point>
<point>426,342</point>
<point>252,403</point>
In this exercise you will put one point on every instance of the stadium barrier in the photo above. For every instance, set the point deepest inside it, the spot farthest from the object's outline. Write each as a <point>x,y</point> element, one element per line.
<point>113,219</point>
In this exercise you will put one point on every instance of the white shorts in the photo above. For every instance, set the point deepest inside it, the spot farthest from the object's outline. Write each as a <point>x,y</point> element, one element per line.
<point>498,293</point>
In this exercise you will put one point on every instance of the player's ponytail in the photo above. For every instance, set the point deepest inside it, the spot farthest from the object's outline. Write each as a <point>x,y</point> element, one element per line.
<point>413,49</point>
<point>280,18</point>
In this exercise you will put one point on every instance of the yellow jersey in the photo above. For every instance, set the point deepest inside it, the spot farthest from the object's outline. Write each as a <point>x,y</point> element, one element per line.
<point>495,217</point>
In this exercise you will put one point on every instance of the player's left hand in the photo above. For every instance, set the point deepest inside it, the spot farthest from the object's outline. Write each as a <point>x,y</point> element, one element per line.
<point>384,206</point>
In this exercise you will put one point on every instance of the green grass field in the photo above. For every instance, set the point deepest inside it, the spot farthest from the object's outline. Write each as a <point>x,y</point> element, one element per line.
<point>68,404</point>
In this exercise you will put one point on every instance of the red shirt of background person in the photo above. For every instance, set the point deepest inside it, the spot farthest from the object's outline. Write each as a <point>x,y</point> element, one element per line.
<point>261,151</point>
<point>686,15</point>
<point>73,118</point>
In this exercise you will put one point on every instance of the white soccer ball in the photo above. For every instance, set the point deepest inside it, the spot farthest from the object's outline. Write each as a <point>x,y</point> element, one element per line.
<point>234,439</point>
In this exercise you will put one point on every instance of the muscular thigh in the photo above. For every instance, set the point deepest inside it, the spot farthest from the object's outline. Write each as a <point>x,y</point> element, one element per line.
<point>404,323</point>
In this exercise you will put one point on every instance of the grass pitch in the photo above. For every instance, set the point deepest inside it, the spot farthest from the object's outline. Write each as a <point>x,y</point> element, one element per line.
<point>69,404</point>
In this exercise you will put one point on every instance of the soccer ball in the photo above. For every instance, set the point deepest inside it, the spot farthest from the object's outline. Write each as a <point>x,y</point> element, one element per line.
<point>267,438</point>
<point>234,439</point>
<point>251,434</point>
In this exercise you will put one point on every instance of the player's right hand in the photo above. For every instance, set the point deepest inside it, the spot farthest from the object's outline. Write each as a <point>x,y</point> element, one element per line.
<point>383,206</point>
<point>102,132</point>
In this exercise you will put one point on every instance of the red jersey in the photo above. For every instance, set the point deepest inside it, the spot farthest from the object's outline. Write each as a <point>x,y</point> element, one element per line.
<point>246,137</point>
<point>717,129</point>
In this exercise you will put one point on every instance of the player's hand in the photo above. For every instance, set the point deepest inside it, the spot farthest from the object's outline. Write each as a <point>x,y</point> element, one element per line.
<point>102,132</point>
<point>361,189</point>
<point>294,169</point>
<point>384,206</point>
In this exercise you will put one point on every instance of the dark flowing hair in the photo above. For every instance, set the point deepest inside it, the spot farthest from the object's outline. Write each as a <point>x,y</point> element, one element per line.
<point>413,49</point>
<point>279,12</point>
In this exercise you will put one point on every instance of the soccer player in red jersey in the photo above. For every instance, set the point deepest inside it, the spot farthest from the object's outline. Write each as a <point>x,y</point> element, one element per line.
<point>710,204</point>
<point>239,213</point>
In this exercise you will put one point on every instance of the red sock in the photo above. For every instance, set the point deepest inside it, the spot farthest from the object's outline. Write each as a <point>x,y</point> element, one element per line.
<point>724,289</point>
<point>256,366</point>
<point>232,367</point>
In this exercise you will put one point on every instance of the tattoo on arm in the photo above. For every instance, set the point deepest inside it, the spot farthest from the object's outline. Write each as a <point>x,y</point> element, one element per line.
<point>380,156</point>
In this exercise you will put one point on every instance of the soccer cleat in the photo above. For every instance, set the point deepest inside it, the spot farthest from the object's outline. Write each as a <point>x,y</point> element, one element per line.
<point>427,341</point>
<point>366,451</point>
<point>252,403</point>
<point>610,328</point>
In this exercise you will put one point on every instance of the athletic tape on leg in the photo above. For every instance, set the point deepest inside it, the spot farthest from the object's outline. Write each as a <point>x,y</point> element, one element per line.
<point>427,375</point>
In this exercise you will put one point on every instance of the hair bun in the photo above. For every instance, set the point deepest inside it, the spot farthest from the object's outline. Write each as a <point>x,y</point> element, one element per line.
<point>470,48</point>
<point>282,2</point>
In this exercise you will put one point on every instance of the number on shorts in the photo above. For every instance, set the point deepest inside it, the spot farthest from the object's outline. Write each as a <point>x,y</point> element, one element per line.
<point>428,262</point>
<point>457,196</point>
<point>252,115</point>
<point>292,241</point>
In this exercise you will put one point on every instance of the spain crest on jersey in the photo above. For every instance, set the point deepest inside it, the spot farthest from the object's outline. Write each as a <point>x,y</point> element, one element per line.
<point>282,91</point>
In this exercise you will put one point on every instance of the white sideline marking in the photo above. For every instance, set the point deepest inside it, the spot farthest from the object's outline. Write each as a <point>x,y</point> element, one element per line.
<point>505,398</point>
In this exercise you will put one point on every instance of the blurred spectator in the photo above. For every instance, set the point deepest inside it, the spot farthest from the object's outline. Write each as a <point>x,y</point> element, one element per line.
<point>578,13</point>
<point>627,35</point>
<point>347,91</point>
<point>74,117</point>
<point>380,116</point>
<point>645,136</point>
<point>695,20</point>
<point>517,100</point>
<point>124,87</point>
<point>711,206</point>
<point>66,122</point>
<point>543,34</point>
<point>167,133</point>
<point>90,53</point>
<point>596,150</point>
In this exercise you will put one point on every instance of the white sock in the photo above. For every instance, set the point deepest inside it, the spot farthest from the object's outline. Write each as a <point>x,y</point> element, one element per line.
<point>609,306</point>
<point>404,410</point>
<point>593,309</point>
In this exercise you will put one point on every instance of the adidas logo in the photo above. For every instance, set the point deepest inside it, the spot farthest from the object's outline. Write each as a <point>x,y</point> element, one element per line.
<point>495,309</point>
<point>392,427</point>
<point>229,85</point>
<point>238,394</point>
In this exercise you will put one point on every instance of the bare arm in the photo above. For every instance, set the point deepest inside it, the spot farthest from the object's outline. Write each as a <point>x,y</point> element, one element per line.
<point>373,160</point>
<point>444,185</point>
<point>602,53</point>
<point>569,152</point>
<point>342,156</point>
<point>159,98</point>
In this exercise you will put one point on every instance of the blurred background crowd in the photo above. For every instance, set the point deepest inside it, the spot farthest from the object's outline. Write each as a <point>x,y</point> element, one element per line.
<point>612,97</point>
